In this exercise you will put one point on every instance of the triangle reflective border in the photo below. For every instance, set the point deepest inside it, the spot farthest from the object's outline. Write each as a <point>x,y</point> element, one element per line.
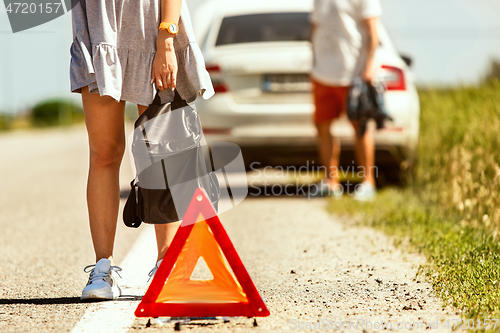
<point>231,292</point>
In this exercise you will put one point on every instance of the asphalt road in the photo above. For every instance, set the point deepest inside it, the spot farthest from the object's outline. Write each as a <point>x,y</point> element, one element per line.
<point>309,266</point>
<point>44,238</point>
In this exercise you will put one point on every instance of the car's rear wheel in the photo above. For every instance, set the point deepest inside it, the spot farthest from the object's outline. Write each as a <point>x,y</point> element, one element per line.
<point>396,175</point>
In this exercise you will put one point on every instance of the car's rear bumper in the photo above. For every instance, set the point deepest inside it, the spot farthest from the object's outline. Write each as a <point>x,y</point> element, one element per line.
<point>279,148</point>
<point>223,111</point>
<point>285,132</point>
<point>261,156</point>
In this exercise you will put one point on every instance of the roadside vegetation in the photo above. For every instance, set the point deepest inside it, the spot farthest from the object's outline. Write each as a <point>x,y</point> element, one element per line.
<point>5,121</point>
<point>47,113</point>
<point>56,112</point>
<point>52,112</point>
<point>450,212</point>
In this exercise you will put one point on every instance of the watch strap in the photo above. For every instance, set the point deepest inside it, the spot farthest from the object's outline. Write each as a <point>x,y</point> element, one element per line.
<point>166,26</point>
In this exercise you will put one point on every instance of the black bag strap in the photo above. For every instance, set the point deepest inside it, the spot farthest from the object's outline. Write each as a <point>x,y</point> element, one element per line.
<point>157,99</point>
<point>177,103</point>
<point>130,211</point>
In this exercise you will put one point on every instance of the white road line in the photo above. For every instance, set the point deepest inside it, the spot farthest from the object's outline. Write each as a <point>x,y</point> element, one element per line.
<point>118,316</point>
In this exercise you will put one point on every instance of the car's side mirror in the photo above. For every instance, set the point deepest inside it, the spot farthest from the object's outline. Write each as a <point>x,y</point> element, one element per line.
<point>407,59</point>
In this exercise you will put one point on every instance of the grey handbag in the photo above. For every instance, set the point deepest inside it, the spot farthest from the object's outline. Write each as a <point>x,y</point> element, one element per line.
<point>170,164</point>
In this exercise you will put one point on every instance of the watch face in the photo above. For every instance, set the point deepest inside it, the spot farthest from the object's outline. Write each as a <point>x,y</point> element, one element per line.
<point>173,28</point>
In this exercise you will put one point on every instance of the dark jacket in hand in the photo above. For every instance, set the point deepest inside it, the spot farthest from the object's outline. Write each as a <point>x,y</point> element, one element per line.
<point>366,101</point>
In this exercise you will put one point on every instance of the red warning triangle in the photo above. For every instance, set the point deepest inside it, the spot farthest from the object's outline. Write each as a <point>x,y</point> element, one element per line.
<point>173,293</point>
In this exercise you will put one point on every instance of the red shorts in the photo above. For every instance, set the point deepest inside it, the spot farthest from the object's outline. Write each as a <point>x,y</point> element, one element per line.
<point>330,101</point>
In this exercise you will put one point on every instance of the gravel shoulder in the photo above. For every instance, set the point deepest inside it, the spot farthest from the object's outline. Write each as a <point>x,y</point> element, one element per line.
<point>45,239</point>
<point>312,268</point>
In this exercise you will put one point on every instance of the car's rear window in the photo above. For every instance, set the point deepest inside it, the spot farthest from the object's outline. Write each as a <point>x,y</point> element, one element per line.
<point>270,27</point>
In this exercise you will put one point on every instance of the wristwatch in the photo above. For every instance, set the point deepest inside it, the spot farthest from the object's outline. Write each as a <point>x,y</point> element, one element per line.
<point>172,28</point>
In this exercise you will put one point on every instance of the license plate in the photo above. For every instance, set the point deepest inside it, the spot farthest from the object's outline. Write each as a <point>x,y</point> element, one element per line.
<point>286,83</point>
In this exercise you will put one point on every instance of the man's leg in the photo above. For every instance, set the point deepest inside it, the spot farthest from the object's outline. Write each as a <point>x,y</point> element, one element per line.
<point>329,102</point>
<point>365,153</point>
<point>329,151</point>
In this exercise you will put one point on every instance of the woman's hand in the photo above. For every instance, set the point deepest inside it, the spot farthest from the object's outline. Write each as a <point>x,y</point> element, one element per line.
<point>164,71</point>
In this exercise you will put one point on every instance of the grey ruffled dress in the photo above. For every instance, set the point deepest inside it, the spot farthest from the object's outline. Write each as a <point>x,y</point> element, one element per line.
<point>113,49</point>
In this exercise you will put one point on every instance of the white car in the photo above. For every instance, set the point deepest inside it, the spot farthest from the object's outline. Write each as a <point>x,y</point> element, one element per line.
<point>259,58</point>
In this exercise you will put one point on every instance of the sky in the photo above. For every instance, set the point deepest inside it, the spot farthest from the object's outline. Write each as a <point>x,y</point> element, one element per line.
<point>450,41</point>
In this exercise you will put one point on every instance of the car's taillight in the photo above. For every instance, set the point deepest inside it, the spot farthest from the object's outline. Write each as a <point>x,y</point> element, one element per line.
<point>393,78</point>
<point>215,75</point>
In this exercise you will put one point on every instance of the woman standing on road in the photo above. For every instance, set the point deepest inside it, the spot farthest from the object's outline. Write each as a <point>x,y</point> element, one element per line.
<point>121,49</point>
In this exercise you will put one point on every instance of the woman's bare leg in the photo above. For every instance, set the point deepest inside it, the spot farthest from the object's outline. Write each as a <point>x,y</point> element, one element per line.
<point>164,235</point>
<point>104,118</point>
<point>164,232</point>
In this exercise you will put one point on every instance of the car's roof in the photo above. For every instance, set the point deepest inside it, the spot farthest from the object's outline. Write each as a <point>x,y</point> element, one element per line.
<point>239,7</point>
<point>211,10</point>
<point>207,11</point>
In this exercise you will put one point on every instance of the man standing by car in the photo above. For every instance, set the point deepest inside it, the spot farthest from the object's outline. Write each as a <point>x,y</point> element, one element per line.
<point>344,38</point>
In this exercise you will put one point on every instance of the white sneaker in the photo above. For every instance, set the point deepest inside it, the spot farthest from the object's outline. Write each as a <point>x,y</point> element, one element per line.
<point>365,191</point>
<point>102,281</point>
<point>153,271</point>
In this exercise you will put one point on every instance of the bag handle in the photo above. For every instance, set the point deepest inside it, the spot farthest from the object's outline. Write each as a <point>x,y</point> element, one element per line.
<point>177,103</point>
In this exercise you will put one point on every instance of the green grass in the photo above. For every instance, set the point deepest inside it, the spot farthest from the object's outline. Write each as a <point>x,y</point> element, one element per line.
<point>5,121</point>
<point>459,168</point>
<point>451,213</point>
<point>463,262</point>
